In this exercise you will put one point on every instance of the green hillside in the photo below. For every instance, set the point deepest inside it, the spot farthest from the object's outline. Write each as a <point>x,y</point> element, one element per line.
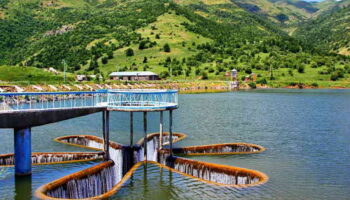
<point>30,75</point>
<point>180,39</point>
<point>330,5</point>
<point>329,32</point>
<point>277,11</point>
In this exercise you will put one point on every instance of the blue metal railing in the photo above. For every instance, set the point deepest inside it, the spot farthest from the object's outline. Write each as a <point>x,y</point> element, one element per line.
<point>142,99</point>
<point>114,99</point>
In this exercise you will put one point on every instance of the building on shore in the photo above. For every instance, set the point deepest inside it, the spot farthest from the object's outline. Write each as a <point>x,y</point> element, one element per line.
<point>134,76</point>
<point>232,74</point>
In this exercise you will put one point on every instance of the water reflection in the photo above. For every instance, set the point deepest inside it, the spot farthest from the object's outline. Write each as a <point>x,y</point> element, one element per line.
<point>23,187</point>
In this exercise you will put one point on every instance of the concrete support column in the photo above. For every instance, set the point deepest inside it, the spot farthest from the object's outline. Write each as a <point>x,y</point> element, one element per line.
<point>23,151</point>
<point>145,135</point>
<point>131,129</point>
<point>171,131</point>
<point>106,134</point>
<point>161,130</point>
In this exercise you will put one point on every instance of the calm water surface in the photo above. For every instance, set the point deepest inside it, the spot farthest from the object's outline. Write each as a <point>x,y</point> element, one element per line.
<point>306,133</point>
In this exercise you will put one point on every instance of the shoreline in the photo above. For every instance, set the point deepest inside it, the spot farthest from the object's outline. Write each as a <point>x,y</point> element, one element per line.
<point>184,87</point>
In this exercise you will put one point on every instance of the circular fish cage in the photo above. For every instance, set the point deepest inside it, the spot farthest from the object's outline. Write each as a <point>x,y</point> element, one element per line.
<point>142,100</point>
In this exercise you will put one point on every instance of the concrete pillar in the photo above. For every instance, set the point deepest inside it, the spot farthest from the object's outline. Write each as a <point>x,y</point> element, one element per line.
<point>161,130</point>
<point>171,131</point>
<point>23,151</point>
<point>131,129</point>
<point>145,135</point>
<point>106,135</point>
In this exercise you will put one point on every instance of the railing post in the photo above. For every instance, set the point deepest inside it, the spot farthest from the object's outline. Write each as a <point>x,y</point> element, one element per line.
<point>106,134</point>
<point>161,130</point>
<point>145,135</point>
<point>131,128</point>
<point>171,131</point>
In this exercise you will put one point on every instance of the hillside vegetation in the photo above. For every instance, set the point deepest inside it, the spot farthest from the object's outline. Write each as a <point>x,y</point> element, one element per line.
<point>180,39</point>
<point>29,75</point>
<point>329,32</point>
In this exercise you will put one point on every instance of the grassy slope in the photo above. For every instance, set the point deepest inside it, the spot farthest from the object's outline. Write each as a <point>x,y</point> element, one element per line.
<point>331,30</point>
<point>310,76</point>
<point>171,31</point>
<point>29,75</point>
<point>327,5</point>
<point>272,9</point>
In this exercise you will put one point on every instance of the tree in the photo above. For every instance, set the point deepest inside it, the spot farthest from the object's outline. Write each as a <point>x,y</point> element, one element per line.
<point>168,60</point>
<point>129,52</point>
<point>337,75</point>
<point>157,36</point>
<point>248,70</point>
<point>110,54</point>
<point>145,60</point>
<point>142,45</point>
<point>104,60</point>
<point>301,69</point>
<point>204,75</point>
<point>198,71</point>
<point>93,65</point>
<point>166,48</point>
<point>164,74</point>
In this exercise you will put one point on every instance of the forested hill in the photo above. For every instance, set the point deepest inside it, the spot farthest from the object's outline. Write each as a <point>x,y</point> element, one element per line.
<point>330,32</point>
<point>179,38</point>
<point>42,33</point>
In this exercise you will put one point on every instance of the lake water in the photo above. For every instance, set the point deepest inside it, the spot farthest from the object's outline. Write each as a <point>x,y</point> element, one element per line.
<point>306,133</point>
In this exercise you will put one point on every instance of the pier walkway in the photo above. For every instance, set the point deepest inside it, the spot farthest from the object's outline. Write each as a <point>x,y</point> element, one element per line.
<point>21,111</point>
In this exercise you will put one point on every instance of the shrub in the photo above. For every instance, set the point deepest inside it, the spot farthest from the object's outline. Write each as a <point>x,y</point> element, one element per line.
<point>129,52</point>
<point>252,85</point>
<point>337,75</point>
<point>104,60</point>
<point>204,75</point>
<point>314,84</point>
<point>198,71</point>
<point>164,74</point>
<point>248,70</point>
<point>142,45</point>
<point>301,69</point>
<point>293,84</point>
<point>166,48</point>
<point>110,54</point>
<point>262,81</point>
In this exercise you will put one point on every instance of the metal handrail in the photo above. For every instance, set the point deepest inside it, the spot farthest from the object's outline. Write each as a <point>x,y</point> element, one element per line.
<point>135,98</point>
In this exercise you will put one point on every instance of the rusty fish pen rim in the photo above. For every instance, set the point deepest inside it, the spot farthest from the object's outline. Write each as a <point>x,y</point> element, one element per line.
<point>260,178</point>
<point>60,154</point>
<point>41,192</point>
<point>182,150</point>
<point>97,139</point>
<point>263,178</point>
<point>180,136</point>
